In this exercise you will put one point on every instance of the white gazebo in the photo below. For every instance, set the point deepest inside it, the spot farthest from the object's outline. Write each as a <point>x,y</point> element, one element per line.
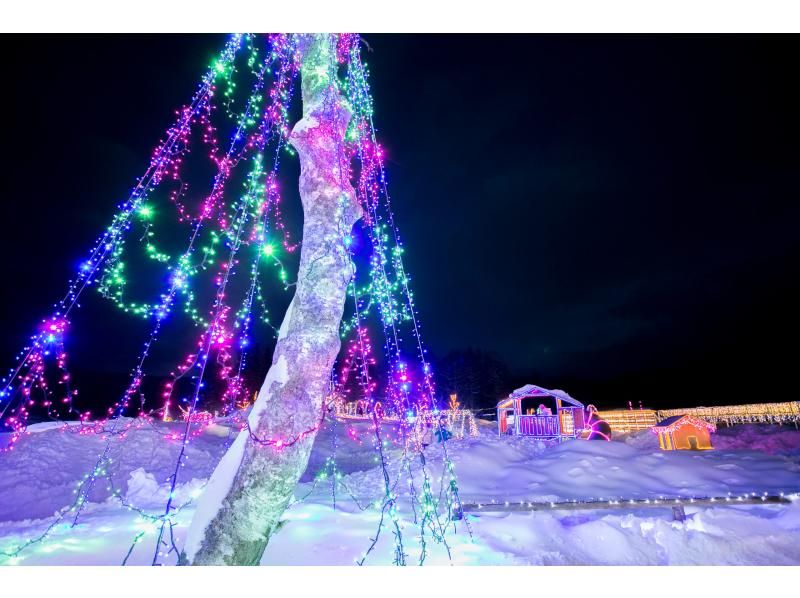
<point>566,422</point>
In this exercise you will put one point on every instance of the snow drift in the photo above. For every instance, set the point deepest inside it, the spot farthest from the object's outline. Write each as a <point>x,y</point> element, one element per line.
<point>42,472</point>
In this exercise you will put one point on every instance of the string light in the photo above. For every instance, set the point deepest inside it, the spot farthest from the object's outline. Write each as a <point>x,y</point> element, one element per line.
<point>217,226</point>
<point>762,413</point>
<point>163,156</point>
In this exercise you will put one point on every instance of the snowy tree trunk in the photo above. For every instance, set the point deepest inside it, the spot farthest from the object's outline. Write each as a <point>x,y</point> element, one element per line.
<point>251,487</point>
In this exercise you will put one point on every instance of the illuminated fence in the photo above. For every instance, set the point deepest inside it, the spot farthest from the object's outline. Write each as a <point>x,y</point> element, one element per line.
<point>629,420</point>
<point>765,413</point>
<point>539,425</point>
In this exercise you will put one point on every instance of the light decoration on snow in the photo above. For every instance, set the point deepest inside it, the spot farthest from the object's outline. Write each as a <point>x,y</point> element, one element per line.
<point>461,423</point>
<point>453,403</point>
<point>681,432</point>
<point>270,123</point>
<point>458,418</point>
<point>100,471</point>
<point>388,293</point>
<point>684,420</point>
<point>219,232</point>
<point>601,503</point>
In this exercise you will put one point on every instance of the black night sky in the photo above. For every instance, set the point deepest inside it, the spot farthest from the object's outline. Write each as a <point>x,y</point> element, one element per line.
<point>612,215</point>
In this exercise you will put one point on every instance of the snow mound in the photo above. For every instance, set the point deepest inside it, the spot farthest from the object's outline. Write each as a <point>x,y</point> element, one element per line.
<point>775,440</point>
<point>42,472</point>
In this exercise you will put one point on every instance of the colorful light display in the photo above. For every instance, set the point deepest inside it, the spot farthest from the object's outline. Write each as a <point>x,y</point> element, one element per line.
<point>628,420</point>
<point>230,237</point>
<point>760,413</point>
<point>595,426</point>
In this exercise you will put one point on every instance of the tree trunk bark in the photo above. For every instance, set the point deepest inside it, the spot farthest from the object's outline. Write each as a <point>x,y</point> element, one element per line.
<point>251,487</point>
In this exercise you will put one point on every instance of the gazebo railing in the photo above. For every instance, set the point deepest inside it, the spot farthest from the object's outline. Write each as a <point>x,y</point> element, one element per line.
<point>539,425</point>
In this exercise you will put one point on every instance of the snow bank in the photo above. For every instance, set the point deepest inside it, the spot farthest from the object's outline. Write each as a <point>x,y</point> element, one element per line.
<point>40,474</point>
<point>43,470</point>
<point>775,440</point>
<point>518,469</point>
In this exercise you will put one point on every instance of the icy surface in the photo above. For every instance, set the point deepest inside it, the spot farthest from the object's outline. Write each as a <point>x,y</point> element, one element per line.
<point>39,477</point>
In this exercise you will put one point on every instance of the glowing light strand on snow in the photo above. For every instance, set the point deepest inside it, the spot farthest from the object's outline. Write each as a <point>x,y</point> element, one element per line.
<point>372,191</point>
<point>359,81</point>
<point>389,503</point>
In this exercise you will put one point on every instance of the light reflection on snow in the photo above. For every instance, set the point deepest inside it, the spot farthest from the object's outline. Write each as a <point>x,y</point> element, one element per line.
<point>491,469</point>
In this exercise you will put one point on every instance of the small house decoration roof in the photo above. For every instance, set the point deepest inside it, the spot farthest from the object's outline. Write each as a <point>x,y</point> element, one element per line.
<point>677,421</point>
<point>531,390</point>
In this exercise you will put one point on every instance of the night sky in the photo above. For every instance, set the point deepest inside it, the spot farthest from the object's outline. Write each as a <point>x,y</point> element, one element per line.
<point>613,215</point>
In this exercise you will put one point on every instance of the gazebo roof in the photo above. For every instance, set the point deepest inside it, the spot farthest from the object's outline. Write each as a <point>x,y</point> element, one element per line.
<point>531,390</point>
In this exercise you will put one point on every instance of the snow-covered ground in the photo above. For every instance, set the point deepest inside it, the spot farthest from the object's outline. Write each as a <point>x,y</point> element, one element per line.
<point>39,478</point>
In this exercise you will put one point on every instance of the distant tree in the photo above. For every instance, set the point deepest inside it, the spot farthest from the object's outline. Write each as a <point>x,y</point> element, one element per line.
<point>479,378</point>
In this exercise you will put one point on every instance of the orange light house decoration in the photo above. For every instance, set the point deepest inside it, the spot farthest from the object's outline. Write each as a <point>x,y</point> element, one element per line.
<point>684,432</point>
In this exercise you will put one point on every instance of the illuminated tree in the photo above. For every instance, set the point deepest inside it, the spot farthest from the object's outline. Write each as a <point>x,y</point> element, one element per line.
<point>215,279</point>
<point>252,486</point>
